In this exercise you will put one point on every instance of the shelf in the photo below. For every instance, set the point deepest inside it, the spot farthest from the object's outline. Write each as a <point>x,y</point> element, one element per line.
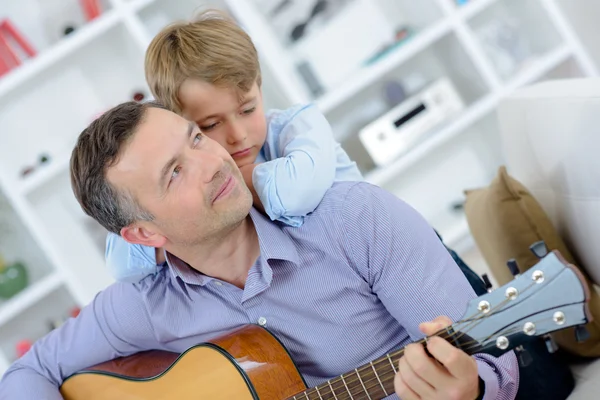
<point>534,71</point>
<point>51,56</point>
<point>33,322</point>
<point>370,74</point>
<point>29,296</point>
<point>44,175</point>
<point>473,8</point>
<point>512,32</point>
<point>381,175</point>
<point>537,68</point>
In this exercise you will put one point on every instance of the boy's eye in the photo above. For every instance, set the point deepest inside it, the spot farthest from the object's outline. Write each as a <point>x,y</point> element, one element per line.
<point>208,127</point>
<point>249,110</point>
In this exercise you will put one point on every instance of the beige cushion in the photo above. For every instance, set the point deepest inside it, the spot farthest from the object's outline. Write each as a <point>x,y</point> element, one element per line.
<point>505,220</point>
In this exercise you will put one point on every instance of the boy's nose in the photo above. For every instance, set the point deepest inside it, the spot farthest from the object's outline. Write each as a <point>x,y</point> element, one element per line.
<point>237,133</point>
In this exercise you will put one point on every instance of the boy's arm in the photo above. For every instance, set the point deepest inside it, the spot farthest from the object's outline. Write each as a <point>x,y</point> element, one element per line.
<point>294,184</point>
<point>115,324</point>
<point>398,253</point>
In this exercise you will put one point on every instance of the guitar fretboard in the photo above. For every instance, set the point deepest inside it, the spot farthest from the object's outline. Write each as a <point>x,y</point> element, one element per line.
<point>371,381</point>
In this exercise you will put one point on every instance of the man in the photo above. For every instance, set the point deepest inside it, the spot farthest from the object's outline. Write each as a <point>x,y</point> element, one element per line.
<point>350,285</point>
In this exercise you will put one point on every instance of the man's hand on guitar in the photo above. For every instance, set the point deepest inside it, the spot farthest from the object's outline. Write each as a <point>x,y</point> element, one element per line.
<point>450,374</point>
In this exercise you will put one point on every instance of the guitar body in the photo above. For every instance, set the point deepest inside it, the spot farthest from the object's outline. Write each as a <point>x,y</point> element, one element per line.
<point>246,364</point>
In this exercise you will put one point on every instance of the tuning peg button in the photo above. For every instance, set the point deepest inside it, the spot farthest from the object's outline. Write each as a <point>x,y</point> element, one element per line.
<point>581,334</point>
<point>539,249</point>
<point>513,267</point>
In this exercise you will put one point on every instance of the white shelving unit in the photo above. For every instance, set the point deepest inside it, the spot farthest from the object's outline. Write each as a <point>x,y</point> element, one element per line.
<point>46,102</point>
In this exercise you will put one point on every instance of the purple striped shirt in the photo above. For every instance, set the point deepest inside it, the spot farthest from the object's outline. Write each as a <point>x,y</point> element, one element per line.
<point>350,285</point>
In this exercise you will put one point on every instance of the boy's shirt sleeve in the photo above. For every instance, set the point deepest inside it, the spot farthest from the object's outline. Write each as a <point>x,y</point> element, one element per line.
<point>129,262</point>
<point>302,154</point>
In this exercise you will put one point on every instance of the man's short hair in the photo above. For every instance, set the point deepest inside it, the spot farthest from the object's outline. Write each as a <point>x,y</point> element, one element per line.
<point>98,148</point>
<point>212,48</point>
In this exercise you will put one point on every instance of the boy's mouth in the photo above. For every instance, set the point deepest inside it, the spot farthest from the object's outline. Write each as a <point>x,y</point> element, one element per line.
<point>241,153</point>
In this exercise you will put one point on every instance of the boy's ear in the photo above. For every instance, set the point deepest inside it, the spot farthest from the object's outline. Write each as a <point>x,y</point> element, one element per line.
<point>144,235</point>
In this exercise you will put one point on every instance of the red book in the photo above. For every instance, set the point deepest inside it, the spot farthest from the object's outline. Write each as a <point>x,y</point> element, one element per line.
<point>3,67</point>
<point>90,8</point>
<point>8,53</point>
<point>7,28</point>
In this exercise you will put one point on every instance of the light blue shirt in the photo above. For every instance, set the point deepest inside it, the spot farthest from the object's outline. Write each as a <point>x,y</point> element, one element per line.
<point>300,160</point>
<point>348,286</point>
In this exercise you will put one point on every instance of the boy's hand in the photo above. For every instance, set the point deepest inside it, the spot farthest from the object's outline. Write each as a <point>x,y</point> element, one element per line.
<point>246,171</point>
<point>450,374</point>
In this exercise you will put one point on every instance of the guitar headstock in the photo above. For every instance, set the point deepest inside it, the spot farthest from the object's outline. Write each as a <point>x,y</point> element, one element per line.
<point>550,296</point>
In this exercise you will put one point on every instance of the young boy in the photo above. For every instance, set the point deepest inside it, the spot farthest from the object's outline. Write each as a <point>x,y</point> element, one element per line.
<point>208,71</point>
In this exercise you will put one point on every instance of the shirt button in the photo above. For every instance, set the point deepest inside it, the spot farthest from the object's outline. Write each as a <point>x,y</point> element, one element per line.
<point>262,321</point>
<point>218,283</point>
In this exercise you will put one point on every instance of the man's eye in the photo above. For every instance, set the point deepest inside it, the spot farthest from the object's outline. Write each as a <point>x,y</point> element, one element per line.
<point>249,111</point>
<point>197,138</point>
<point>175,173</point>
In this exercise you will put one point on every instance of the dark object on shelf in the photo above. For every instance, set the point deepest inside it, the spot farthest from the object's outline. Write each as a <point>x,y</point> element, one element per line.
<point>68,30</point>
<point>44,159</point>
<point>13,279</point>
<point>299,30</point>
<point>393,93</point>
<point>26,171</point>
<point>138,96</point>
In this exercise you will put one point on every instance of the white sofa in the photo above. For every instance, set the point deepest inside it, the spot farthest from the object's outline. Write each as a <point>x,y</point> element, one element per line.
<point>551,138</point>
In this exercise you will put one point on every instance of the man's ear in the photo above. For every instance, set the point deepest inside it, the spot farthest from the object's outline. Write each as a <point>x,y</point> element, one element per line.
<point>144,235</point>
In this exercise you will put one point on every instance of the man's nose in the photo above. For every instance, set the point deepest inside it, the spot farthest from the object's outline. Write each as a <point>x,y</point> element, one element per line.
<point>207,164</point>
<point>236,133</point>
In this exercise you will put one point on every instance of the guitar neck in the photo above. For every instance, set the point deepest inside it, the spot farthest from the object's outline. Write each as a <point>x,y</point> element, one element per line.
<point>375,380</point>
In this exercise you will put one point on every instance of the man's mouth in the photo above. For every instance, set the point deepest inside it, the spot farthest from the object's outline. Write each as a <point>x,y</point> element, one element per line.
<point>226,188</point>
<point>241,153</point>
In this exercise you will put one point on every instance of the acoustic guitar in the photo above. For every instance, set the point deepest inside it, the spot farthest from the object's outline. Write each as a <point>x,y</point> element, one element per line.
<point>251,364</point>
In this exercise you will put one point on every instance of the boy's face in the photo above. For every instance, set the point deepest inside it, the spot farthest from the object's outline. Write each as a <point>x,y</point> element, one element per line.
<point>240,127</point>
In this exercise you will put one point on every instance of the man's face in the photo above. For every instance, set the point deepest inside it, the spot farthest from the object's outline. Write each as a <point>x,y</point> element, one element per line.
<point>186,180</point>
<point>239,126</point>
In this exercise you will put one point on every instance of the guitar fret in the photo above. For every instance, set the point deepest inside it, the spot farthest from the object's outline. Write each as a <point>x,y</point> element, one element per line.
<point>306,394</point>
<point>361,382</point>
<point>392,363</point>
<point>332,391</point>
<point>348,390</point>
<point>318,393</point>
<point>379,380</point>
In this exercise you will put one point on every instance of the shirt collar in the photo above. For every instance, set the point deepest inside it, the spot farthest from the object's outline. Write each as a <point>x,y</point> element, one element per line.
<point>274,245</point>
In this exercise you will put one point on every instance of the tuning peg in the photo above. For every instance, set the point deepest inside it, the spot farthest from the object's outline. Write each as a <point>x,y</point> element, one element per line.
<point>581,334</point>
<point>486,282</point>
<point>550,344</point>
<point>525,358</point>
<point>513,267</point>
<point>539,249</point>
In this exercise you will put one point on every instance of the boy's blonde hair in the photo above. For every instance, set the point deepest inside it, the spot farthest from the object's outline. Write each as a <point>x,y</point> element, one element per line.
<point>212,48</point>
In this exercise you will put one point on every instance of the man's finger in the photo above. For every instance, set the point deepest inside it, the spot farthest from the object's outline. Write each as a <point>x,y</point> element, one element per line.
<point>455,361</point>
<point>417,369</point>
<point>403,390</point>
<point>431,327</point>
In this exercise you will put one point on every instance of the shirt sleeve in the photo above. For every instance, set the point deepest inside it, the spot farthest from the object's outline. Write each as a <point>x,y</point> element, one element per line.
<point>412,273</point>
<point>115,324</point>
<point>294,184</point>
